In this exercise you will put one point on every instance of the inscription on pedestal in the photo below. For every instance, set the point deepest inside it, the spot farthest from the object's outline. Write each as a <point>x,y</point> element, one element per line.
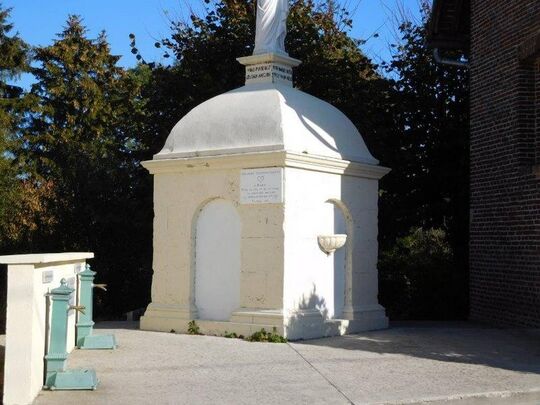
<point>268,72</point>
<point>261,186</point>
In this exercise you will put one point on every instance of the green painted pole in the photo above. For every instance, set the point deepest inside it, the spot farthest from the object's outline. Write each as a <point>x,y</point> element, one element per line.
<point>57,355</point>
<point>85,325</point>
<point>56,375</point>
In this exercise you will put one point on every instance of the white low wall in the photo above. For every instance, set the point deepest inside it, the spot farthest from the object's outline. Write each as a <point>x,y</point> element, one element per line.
<point>30,278</point>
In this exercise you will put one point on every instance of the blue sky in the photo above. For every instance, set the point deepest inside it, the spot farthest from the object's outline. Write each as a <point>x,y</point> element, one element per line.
<point>38,21</point>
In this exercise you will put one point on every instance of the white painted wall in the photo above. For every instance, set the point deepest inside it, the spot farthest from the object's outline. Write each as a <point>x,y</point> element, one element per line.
<point>309,272</point>
<point>329,275</point>
<point>27,325</point>
<point>217,261</point>
<point>314,281</point>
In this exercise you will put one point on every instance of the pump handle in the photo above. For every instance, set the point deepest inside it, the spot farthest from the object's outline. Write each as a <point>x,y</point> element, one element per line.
<point>79,308</point>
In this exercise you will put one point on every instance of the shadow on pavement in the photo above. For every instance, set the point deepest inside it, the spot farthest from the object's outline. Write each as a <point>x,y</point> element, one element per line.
<point>458,342</point>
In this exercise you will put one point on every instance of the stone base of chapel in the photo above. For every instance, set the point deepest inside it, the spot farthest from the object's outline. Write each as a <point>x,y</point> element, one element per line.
<point>296,325</point>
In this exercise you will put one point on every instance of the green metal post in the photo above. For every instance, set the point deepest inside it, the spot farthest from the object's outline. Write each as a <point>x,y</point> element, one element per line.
<point>56,375</point>
<point>57,356</point>
<point>85,337</point>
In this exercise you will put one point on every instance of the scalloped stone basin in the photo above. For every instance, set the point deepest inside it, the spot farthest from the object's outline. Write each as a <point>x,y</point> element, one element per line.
<point>330,243</point>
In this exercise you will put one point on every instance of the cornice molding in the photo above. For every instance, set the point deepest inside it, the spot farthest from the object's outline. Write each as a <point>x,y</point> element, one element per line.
<point>266,159</point>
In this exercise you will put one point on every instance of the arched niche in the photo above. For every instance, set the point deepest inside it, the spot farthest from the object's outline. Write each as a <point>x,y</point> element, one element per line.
<point>216,249</point>
<point>342,274</point>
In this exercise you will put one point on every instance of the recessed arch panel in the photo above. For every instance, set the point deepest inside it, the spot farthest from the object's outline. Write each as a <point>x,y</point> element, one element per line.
<point>217,260</point>
<point>342,220</point>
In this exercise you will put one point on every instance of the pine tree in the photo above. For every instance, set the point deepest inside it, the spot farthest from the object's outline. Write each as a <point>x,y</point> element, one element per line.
<point>13,62</point>
<point>79,141</point>
<point>15,195</point>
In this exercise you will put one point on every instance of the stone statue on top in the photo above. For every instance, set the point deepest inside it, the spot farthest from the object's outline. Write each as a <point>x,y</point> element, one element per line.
<point>271,26</point>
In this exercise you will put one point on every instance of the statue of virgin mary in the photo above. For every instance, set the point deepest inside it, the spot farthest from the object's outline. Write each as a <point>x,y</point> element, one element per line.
<point>271,26</point>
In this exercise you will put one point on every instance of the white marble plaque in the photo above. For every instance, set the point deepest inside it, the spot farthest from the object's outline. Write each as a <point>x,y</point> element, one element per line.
<point>261,186</point>
<point>47,277</point>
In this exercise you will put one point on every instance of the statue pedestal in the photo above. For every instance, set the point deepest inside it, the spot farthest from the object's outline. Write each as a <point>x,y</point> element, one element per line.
<point>269,67</point>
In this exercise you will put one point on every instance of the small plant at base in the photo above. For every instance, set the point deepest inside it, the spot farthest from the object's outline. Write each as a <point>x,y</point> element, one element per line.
<point>193,328</point>
<point>231,335</point>
<point>264,336</point>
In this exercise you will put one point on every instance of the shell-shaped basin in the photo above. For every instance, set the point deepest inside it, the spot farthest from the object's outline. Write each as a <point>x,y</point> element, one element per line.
<point>330,243</point>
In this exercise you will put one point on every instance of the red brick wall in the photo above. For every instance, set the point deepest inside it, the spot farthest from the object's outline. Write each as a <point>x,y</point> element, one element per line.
<point>505,192</point>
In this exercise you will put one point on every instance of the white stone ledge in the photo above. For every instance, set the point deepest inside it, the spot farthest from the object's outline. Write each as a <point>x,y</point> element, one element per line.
<point>279,158</point>
<point>45,258</point>
<point>30,278</point>
<point>268,58</point>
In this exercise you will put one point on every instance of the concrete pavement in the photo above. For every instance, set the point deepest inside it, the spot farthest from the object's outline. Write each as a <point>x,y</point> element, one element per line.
<point>409,363</point>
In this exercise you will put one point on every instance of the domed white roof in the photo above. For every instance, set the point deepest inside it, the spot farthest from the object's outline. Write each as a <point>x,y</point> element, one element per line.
<point>266,117</point>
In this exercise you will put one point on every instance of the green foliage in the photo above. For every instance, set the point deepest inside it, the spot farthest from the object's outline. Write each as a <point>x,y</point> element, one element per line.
<point>193,328</point>
<point>13,62</point>
<point>419,278</point>
<point>264,336</point>
<point>260,336</point>
<point>428,186</point>
<point>429,154</point>
<point>81,141</point>
<point>13,106</point>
